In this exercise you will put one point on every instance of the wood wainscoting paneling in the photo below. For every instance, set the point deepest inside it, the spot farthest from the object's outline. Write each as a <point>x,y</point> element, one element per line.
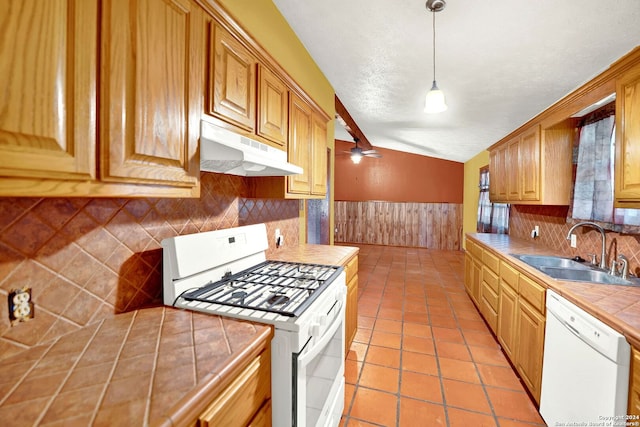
<point>423,225</point>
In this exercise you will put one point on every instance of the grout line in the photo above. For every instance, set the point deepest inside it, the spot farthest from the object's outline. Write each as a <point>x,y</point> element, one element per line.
<point>453,292</point>
<point>125,337</point>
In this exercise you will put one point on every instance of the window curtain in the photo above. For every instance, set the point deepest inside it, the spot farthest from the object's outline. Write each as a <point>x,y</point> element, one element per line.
<point>593,191</point>
<point>492,217</point>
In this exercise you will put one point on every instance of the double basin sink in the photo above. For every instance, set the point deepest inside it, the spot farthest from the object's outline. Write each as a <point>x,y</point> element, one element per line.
<point>568,269</point>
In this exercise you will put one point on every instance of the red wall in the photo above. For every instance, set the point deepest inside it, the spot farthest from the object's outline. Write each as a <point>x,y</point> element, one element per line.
<point>397,177</point>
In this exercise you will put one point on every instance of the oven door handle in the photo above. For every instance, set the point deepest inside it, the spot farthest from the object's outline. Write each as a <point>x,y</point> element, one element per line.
<point>326,337</point>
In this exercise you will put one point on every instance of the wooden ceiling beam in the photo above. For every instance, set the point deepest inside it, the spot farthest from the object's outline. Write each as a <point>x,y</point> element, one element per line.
<point>343,115</point>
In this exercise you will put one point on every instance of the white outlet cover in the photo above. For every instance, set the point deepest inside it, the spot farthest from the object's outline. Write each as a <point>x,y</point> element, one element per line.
<point>574,241</point>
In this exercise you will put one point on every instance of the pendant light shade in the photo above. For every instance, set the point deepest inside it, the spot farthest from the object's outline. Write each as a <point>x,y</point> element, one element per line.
<point>434,101</point>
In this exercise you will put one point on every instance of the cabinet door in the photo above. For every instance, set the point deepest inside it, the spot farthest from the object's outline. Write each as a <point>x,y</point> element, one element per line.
<point>627,173</point>
<point>48,90</point>
<point>319,157</point>
<point>498,174</point>
<point>507,318</point>
<point>232,80</point>
<point>530,343</point>
<point>273,107</point>
<point>476,279</point>
<point>530,164</point>
<point>153,65</point>
<point>512,163</point>
<point>299,144</point>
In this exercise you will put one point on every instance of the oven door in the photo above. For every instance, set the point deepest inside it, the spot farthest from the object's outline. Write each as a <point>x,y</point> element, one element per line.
<point>318,373</point>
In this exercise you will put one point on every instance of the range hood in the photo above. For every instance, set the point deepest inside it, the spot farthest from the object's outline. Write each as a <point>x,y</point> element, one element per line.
<point>224,151</point>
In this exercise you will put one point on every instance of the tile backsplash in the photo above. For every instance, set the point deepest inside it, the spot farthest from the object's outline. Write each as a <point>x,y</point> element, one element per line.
<point>554,228</point>
<point>87,259</point>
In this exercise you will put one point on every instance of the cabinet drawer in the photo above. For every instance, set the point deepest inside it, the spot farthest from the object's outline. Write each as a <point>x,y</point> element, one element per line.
<point>491,279</point>
<point>351,268</point>
<point>490,296</point>
<point>239,402</point>
<point>491,261</point>
<point>509,275</point>
<point>532,292</point>
<point>489,306</point>
<point>474,249</point>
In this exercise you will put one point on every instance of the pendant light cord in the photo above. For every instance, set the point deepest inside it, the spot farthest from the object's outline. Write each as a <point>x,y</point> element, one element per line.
<point>434,45</point>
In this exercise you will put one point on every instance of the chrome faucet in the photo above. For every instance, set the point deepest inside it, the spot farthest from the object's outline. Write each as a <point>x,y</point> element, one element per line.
<point>603,256</point>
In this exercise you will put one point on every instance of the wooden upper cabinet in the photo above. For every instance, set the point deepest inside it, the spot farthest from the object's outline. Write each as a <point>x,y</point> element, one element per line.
<point>530,164</point>
<point>131,133</point>
<point>232,80</point>
<point>300,137</point>
<point>273,107</point>
<point>512,164</point>
<point>319,158</point>
<point>536,168</point>
<point>627,173</point>
<point>48,91</point>
<point>150,57</point>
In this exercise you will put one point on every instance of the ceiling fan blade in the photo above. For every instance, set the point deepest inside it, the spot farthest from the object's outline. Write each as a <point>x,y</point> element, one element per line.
<point>370,152</point>
<point>376,155</point>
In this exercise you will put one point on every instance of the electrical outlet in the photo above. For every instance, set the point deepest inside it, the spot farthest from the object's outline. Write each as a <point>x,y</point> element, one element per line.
<point>574,241</point>
<point>21,307</point>
<point>537,230</point>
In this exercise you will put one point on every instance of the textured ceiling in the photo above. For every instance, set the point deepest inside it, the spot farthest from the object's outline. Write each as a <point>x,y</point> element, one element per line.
<point>499,63</point>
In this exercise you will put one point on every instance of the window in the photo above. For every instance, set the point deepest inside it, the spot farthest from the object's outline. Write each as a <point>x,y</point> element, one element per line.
<point>492,217</point>
<point>593,191</point>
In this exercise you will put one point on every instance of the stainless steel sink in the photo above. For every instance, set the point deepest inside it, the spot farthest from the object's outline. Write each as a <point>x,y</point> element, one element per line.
<point>538,261</point>
<point>593,276</point>
<point>567,269</point>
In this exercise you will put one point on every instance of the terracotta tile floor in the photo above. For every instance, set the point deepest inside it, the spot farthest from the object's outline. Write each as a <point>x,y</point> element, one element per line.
<point>422,355</point>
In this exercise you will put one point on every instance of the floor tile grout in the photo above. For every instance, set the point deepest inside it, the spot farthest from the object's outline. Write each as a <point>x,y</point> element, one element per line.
<point>399,280</point>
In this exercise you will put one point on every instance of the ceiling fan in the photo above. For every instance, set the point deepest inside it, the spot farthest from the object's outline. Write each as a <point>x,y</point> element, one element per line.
<point>357,153</point>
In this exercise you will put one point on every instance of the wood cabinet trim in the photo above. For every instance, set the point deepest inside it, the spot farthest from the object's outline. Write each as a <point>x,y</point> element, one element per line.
<point>226,20</point>
<point>590,92</point>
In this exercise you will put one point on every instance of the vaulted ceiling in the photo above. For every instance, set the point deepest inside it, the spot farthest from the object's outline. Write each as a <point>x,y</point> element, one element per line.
<point>499,63</point>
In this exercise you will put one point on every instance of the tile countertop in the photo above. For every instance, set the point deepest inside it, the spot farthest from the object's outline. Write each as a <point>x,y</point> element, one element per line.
<point>617,306</point>
<point>315,254</point>
<point>156,366</point>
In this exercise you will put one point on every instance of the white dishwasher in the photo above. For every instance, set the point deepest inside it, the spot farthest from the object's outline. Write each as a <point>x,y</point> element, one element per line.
<point>585,370</point>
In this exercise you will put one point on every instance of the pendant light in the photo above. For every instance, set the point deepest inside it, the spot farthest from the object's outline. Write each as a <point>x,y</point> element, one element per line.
<point>434,102</point>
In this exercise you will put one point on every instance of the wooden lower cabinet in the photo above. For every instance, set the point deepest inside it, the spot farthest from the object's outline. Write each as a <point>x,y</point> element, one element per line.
<point>634,383</point>
<point>246,401</point>
<point>489,297</point>
<point>513,305</point>
<point>473,274</point>
<point>351,315</point>
<point>263,417</point>
<point>507,319</point>
<point>530,344</point>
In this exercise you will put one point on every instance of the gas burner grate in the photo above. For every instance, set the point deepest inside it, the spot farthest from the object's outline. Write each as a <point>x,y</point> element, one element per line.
<point>280,287</point>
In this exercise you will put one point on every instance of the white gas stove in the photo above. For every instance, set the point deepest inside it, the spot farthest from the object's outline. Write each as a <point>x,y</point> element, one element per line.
<point>225,272</point>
